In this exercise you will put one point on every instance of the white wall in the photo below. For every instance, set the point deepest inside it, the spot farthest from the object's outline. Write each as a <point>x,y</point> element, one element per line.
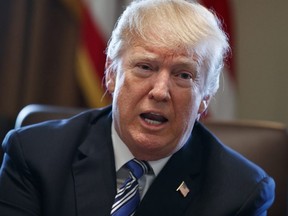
<point>261,59</point>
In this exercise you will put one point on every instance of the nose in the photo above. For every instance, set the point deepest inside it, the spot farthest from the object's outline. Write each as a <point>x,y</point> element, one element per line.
<point>160,90</point>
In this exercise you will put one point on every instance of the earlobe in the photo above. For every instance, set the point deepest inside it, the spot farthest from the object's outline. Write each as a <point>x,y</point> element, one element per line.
<point>110,81</point>
<point>109,76</point>
<point>204,104</point>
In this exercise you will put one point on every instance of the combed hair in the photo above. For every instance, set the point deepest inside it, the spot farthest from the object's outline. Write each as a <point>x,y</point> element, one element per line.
<point>173,24</point>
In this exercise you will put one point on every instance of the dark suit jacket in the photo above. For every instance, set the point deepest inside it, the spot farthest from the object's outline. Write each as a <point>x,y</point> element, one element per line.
<point>67,168</point>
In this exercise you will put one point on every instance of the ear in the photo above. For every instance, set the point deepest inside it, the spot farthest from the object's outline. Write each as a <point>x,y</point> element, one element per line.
<point>204,104</point>
<point>110,76</point>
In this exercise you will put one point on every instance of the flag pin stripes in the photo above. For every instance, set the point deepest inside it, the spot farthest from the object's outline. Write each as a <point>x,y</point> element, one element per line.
<point>183,189</point>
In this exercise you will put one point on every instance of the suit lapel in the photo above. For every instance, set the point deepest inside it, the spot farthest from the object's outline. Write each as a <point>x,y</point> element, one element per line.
<point>94,171</point>
<point>162,197</point>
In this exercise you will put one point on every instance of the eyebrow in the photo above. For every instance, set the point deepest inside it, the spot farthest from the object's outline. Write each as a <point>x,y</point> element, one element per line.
<point>155,58</point>
<point>143,54</point>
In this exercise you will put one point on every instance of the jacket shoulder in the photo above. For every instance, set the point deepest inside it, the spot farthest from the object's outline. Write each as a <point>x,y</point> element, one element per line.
<point>51,138</point>
<point>225,157</point>
<point>59,127</point>
<point>234,181</point>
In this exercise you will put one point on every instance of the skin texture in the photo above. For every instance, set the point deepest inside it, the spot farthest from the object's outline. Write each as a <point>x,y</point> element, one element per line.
<point>157,96</point>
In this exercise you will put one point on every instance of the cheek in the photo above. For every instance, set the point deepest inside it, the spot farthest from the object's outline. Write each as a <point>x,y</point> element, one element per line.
<point>132,90</point>
<point>125,97</point>
<point>124,84</point>
<point>186,119</point>
<point>187,108</point>
<point>121,89</point>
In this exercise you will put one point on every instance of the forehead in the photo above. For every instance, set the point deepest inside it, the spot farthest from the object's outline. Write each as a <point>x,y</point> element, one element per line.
<point>161,54</point>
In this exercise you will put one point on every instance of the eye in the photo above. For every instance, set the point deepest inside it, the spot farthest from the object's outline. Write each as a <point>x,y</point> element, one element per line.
<point>143,69</point>
<point>144,66</point>
<point>184,75</point>
<point>185,78</point>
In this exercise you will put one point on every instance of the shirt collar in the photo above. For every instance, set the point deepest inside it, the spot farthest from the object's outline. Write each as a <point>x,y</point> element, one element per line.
<point>122,154</point>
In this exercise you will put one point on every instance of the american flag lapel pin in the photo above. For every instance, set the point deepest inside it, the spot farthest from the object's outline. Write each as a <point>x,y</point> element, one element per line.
<point>183,189</point>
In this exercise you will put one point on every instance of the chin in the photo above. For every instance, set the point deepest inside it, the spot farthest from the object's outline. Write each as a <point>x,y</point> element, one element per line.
<point>151,150</point>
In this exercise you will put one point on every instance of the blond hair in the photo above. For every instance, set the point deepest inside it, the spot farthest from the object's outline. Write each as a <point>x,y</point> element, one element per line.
<point>173,24</point>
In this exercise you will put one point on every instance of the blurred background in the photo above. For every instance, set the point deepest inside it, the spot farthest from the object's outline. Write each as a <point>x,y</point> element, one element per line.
<point>52,52</point>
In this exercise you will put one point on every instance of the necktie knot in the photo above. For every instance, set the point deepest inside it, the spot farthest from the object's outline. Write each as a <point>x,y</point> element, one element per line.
<point>138,168</point>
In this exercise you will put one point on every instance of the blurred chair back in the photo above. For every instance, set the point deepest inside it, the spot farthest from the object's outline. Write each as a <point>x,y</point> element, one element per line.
<point>35,113</point>
<point>264,143</point>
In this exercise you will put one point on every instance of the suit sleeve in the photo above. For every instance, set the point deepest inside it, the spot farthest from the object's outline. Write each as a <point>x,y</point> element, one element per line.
<point>18,193</point>
<point>260,199</point>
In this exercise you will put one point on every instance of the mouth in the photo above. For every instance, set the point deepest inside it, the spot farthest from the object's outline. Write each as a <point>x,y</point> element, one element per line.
<point>153,118</point>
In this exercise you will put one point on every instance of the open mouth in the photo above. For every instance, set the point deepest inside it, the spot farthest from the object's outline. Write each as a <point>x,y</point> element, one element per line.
<point>153,118</point>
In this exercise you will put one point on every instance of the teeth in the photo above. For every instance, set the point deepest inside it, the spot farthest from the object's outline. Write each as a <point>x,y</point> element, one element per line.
<point>155,114</point>
<point>152,121</point>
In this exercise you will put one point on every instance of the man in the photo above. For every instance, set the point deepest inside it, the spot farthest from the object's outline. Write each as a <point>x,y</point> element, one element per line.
<point>163,66</point>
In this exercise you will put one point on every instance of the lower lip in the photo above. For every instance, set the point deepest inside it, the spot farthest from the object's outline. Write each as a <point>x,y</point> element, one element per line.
<point>152,126</point>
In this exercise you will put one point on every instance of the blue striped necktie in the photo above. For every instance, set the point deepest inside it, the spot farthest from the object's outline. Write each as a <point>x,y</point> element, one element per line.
<point>128,198</point>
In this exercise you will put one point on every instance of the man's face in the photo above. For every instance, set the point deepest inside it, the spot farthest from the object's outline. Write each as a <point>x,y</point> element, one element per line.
<point>157,96</point>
